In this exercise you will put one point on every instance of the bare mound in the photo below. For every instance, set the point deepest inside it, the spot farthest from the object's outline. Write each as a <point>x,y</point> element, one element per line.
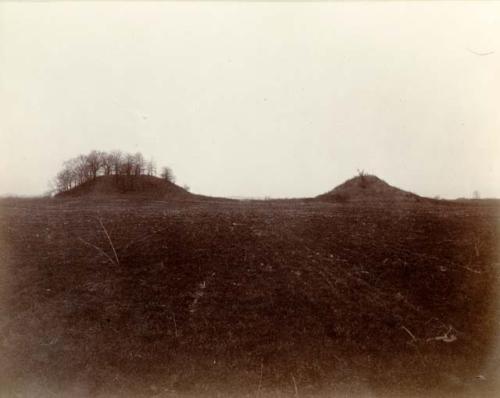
<point>138,186</point>
<point>367,188</point>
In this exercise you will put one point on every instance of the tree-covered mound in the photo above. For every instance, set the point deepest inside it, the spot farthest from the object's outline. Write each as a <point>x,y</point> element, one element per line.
<point>142,185</point>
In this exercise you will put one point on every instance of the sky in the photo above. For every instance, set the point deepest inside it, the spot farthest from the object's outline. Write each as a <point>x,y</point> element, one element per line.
<point>256,99</point>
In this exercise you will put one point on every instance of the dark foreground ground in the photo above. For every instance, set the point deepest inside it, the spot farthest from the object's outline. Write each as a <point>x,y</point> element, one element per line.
<point>266,299</point>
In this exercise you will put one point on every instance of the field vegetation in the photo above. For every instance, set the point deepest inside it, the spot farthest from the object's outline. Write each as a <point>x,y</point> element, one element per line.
<point>133,296</point>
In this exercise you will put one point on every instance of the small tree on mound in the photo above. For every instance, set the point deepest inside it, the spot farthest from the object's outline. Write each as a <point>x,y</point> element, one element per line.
<point>167,174</point>
<point>106,163</point>
<point>128,164</point>
<point>139,164</point>
<point>151,168</point>
<point>362,175</point>
<point>94,163</point>
<point>115,158</point>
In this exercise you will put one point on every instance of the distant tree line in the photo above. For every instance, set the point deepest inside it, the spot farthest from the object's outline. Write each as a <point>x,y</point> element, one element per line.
<point>83,168</point>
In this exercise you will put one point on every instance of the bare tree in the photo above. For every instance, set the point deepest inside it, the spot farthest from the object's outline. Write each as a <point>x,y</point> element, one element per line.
<point>167,174</point>
<point>71,166</point>
<point>64,180</point>
<point>361,172</point>
<point>476,195</point>
<point>80,169</point>
<point>116,159</point>
<point>106,163</point>
<point>362,176</point>
<point>139,164</point>
<point>94,163</point>
<point>151,168</point>
<point>128,164</point>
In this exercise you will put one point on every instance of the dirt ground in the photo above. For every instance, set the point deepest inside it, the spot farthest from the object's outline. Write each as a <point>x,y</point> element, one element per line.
<point>141,298</point>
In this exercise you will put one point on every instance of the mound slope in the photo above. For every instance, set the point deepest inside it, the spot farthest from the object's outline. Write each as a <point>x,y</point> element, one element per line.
<point>137,186</point>
<point>367,188</point>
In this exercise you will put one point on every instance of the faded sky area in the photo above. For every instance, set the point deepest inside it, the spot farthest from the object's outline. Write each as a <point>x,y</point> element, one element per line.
<point>256,99</point>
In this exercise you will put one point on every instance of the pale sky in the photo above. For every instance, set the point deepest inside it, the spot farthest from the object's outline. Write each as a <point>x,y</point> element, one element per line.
<point>256,99</point>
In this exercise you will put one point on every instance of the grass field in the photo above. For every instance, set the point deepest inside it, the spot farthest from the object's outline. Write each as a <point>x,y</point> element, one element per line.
<point>117,297</point>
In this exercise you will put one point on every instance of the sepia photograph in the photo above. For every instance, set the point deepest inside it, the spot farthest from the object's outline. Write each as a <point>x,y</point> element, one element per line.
<point>249,199</point>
